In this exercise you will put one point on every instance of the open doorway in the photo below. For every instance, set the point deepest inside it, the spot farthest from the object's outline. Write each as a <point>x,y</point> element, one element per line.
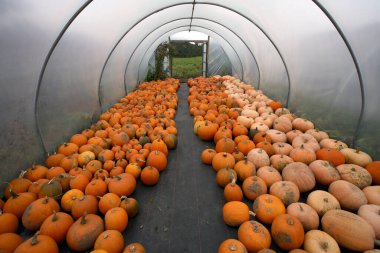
<point>188,57</point>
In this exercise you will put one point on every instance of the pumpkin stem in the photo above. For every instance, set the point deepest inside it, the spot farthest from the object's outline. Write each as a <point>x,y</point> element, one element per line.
<point>22,174</point>
<point>132,248</point>
<point>105,236</point>
<point>46,200</point>
<point>301,208</point>
<point>51,180</point>
<point>55,217</point>
<point>83,221</point>
<point>252,213</point>
<point>34,238</point>
<point>13,194</point>
<point>122,198</point>
<point>357,151</point>
<point>232,247</point>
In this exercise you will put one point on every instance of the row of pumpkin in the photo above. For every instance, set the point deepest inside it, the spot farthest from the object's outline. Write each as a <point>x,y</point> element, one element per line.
<point>277,157</point>
<point>81,195</point>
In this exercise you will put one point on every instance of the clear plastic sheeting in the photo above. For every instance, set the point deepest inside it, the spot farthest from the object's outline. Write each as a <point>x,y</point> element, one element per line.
<point>28,30</point>
<point>218,62</point>
<point>189,35</point>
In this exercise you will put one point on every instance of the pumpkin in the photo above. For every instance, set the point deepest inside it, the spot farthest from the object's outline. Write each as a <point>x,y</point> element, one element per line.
<point>150,176</point>
<point>223,160</point>
<point>245,146</point>
<point>56,226</point>
<point>207,131</point>
<point>254,236</point>
<point>267,146</point>
<point>110,240</point>
<point>207,156</point>
<point>356,156</point>
<point>287,191</point>
<point>305,214</point>
<point>9,242</point>
<point>253,187</point>
<point>232,246</point>
<point>134,248</point>
<point>282,148</point>
<point>371,213</point>
<point>97,187</point>
<point>79,182</point>
<point>280,161</point>
<point>350,197</point>
<point>64,180</point>
<point>300,174</point>
<point>52,189</point>
<point>325,173</point>
<point>374,169</point>
<point>108,201</point>
<point>225,145</point>
<point>317,134</point>
<point>54,160</point>
<point>240,138</point>
<point>18,185</point>
<point>69,162</point>
<point>68,199</point>
<point>332,155</point>
<point>287,232</point>
<point>225,176</point>
<point>266,251</point>
<point>83,233</point>
<point>261,136</point>
<point>123,184</point>
<point>302,154</point>
<point>233,192</point>
<point>84,204</point>
<point>79,139</point>
<point>322,201</point>
<point>282,124</point>
<point>36,172</point>
<point>116,219</point>
<point>332,143</point>
<point>17,203</point>
<point>94,165</point>
<point>119,139</point>
<point>355,174</point>
<point>372,194</point>
<point>9,222</point>
<point>269,174</point>
<point>258,157</point>
<point>157,159</point>
<point>235,213</point>
<point>85,157</point>
<point>54,172</point>
<point>36,185</point>
<point>244,169</point>
<point>302,124</point>
<point>307,141</point>
<point>38,244</point>
<point>292,134</point>
<point>320,242</point>
<point>349,230</point>
<point>241,128</point>
<point>130,205</point>
<point>267,207</point>
<point>38,211</point>
<point>132,168</point>
<point>276,136</point>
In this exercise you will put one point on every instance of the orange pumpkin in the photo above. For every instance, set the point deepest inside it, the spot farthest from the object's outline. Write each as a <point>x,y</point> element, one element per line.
<point>56,226</point>
<point>84,232</point>
<point>108,201</point>
<point>132,168</point>
<point>267,207</point>
<point>130,205</point>
<point>84,204</point>
<point>150,176</point>
<point>18,185</point>
<point>332,155</point>
<point>232,246</point>
<point>287,232</point>
<point>207,131</point>
<point>17,203</point>
<point>233,192</point>
<point>235,213</point>
<point>223,160</point>
<point>225,145</point>
<point>253,187</point>
<point>225,176</point>
<point>112,241</point>
<point>68,199</point>
<point>207,155</point>
<point>9,222</point>
<point>38,244</point>
<point>97,187</point>
<point>9,242</point>
<point>122,185</point>
<point>116,218</point>
<point>254,236</point>
<point>160,146</point>
<point>36,172</point>
<point>245,169</point>
<point>157,159</point>
<point>374,169</point>
<point>38,211</point>
<point>134,248</point>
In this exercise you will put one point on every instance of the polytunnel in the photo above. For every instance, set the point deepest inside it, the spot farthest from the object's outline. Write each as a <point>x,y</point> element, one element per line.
<point>64,63</point>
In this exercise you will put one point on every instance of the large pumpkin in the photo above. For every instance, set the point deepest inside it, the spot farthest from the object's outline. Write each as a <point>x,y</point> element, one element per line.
<point>300,174</point>
<point>38,244</point>
<point>56,226</point>
<point>38,211</point>
<point>267,207</point>
<point>287,232</point>
<point>111,241</point>
<point>235,213</point>
<point>254,236</point>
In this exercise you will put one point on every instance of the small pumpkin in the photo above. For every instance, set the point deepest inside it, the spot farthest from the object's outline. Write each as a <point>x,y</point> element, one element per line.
<point>9,242</point>
<point>232,246</point>
<point>244,169</point>
<point>38,211</point>
<point>123,184</point>
<point>150,176</point>
<point>372,194</point>
<point>116,219</point>
<point>332,155</point>
<point>51,189</point>
<point>38,244</point>
<point>157,159</point>
<point>68,199</point>
<point>84,204</point>
<point>305,214</point>
<point>223,160</point>
<point>83,233</point>
<point>302,124</point>
<point>287,191</point>
<point>235,213</point>
<point>300,174</point>
<point>17,203</point>
<point>258,157</point>
<point>225,145</point>
<point>97,187</point>
<point>269,174</point>
<point>320,242</point>
<point>287,232</point>
<point>130,205</point>
<point>225,176</point>
<point>322,201</point>
<point>134,248</point>
<point>207,155</point>
<point>371,213</point>
<point>9,222</point>
<point>108,201</point>
<point>18,185</point>
<point>282,148</point>
<point>280,161</point>
<point>303,154</point>
<point>112,241</point>
<point>325,173</point>
<point>36,172</point>
<point>56,226</point>
<point>233,192</point>
<point>355,174</point>
<point>356,156</point>
<point>374,169</point>
<point>254,236</point>
<point>267,207</point>
<point>253,187</point>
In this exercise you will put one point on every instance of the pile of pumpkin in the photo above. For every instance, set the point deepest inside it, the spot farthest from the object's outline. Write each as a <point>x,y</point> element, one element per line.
<point>81,195</point>
<point>279,157</point>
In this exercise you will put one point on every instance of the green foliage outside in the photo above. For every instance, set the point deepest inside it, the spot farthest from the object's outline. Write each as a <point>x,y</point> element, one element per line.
<point>184,68</point>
